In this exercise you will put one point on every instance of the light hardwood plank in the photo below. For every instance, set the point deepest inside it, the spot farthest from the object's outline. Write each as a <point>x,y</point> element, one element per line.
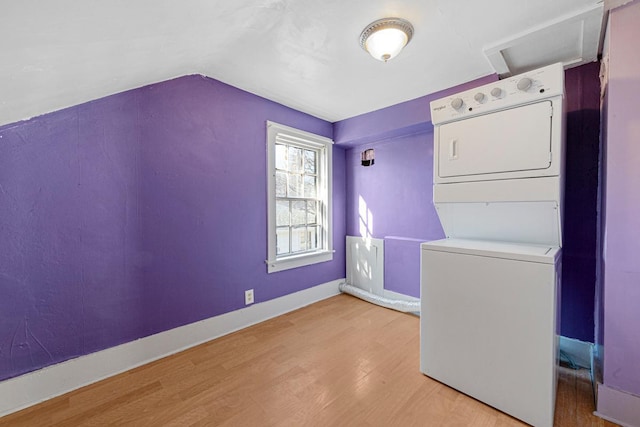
<point>338,362</point>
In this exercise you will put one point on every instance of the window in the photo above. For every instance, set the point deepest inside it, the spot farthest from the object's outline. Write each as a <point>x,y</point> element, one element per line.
<point>299,198</point>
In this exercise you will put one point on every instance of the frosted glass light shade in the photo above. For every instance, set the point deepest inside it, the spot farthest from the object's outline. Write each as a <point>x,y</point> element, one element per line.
<point>385,38</point>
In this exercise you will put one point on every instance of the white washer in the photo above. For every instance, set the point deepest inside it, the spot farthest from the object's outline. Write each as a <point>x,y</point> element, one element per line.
<point>488,323</point>
<point>489,292</point>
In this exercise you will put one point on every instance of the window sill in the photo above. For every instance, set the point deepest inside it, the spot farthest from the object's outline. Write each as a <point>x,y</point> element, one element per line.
<point>296,261</point>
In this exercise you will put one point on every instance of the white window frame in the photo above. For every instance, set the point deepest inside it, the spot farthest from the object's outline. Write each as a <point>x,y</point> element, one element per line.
<point>324,166</point>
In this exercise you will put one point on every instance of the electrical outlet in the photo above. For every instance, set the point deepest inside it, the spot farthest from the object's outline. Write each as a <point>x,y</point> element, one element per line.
<point>248,297</point>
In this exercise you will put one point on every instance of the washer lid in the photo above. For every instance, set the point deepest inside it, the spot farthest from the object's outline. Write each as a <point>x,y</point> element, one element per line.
<point>545,254</point>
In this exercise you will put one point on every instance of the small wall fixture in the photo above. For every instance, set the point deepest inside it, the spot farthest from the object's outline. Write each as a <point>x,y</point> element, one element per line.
<point>385,38</point>
<point>367,157</point>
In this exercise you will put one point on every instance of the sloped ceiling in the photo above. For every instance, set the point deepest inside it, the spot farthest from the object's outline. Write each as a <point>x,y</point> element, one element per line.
<point>301,53</point>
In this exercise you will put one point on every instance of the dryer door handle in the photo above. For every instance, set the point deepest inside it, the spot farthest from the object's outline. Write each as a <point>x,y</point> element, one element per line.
<point>453,149</point>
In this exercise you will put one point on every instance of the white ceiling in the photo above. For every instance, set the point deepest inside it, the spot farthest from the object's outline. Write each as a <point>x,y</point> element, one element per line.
<point>301,53</point>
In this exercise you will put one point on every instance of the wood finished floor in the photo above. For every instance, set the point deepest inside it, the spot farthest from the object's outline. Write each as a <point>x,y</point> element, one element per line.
<point>339,362</point>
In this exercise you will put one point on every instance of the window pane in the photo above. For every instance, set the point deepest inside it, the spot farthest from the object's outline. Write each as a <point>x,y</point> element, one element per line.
<point>310,186</point>
<point>281,156</point>
<point>309,161</point>
<point>311,212</point>
<point>298,239</point>
<point>295,185</point>
<point>281,184</point>
<point>313,237</point>
<point>298,199</point>
<point>282,240</point>
<point>295,159</point>
<point>298,213</point>
<point>282,213</point>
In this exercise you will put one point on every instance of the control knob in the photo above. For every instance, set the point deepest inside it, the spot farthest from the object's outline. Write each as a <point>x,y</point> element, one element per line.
<point>524,84</point>
<point>496,92</point>
<point>457,103</point>
<point>479,97</point>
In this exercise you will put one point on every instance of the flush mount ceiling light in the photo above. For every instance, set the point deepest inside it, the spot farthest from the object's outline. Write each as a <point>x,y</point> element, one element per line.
<point>385,38</point>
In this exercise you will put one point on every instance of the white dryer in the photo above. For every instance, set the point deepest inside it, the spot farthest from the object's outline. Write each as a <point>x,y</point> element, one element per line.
<point>490,290</point>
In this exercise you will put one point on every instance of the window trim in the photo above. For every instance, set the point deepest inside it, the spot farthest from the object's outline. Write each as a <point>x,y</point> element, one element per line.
<point>325,145</point>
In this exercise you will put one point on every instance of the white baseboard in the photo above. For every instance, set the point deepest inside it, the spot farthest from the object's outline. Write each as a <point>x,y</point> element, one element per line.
<point>579,351</point>
<point>618,406</point>
<point>38,386</point>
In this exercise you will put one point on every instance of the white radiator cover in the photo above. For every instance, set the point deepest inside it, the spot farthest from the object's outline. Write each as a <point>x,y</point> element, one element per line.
<point>365,264</point>
<point>365,267</point>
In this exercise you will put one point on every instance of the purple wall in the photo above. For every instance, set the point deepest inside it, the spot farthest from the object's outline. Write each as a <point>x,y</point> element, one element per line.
<point>582,85</point>
<point>622,205</point>
<point>138,213</point>
<point>401,255</point>
<point>397,189</point>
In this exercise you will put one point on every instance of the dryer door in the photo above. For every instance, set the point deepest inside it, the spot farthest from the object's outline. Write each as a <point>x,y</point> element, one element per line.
<point>512,140</point>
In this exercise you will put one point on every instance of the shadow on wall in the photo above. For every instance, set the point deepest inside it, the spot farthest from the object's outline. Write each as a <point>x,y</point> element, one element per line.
<point>580,224</point>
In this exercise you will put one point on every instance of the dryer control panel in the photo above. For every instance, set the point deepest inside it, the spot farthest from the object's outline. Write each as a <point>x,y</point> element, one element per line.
<point>534,86</point>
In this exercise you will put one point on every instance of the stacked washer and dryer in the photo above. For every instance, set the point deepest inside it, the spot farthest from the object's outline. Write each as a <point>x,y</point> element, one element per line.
<point>490,291</point>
